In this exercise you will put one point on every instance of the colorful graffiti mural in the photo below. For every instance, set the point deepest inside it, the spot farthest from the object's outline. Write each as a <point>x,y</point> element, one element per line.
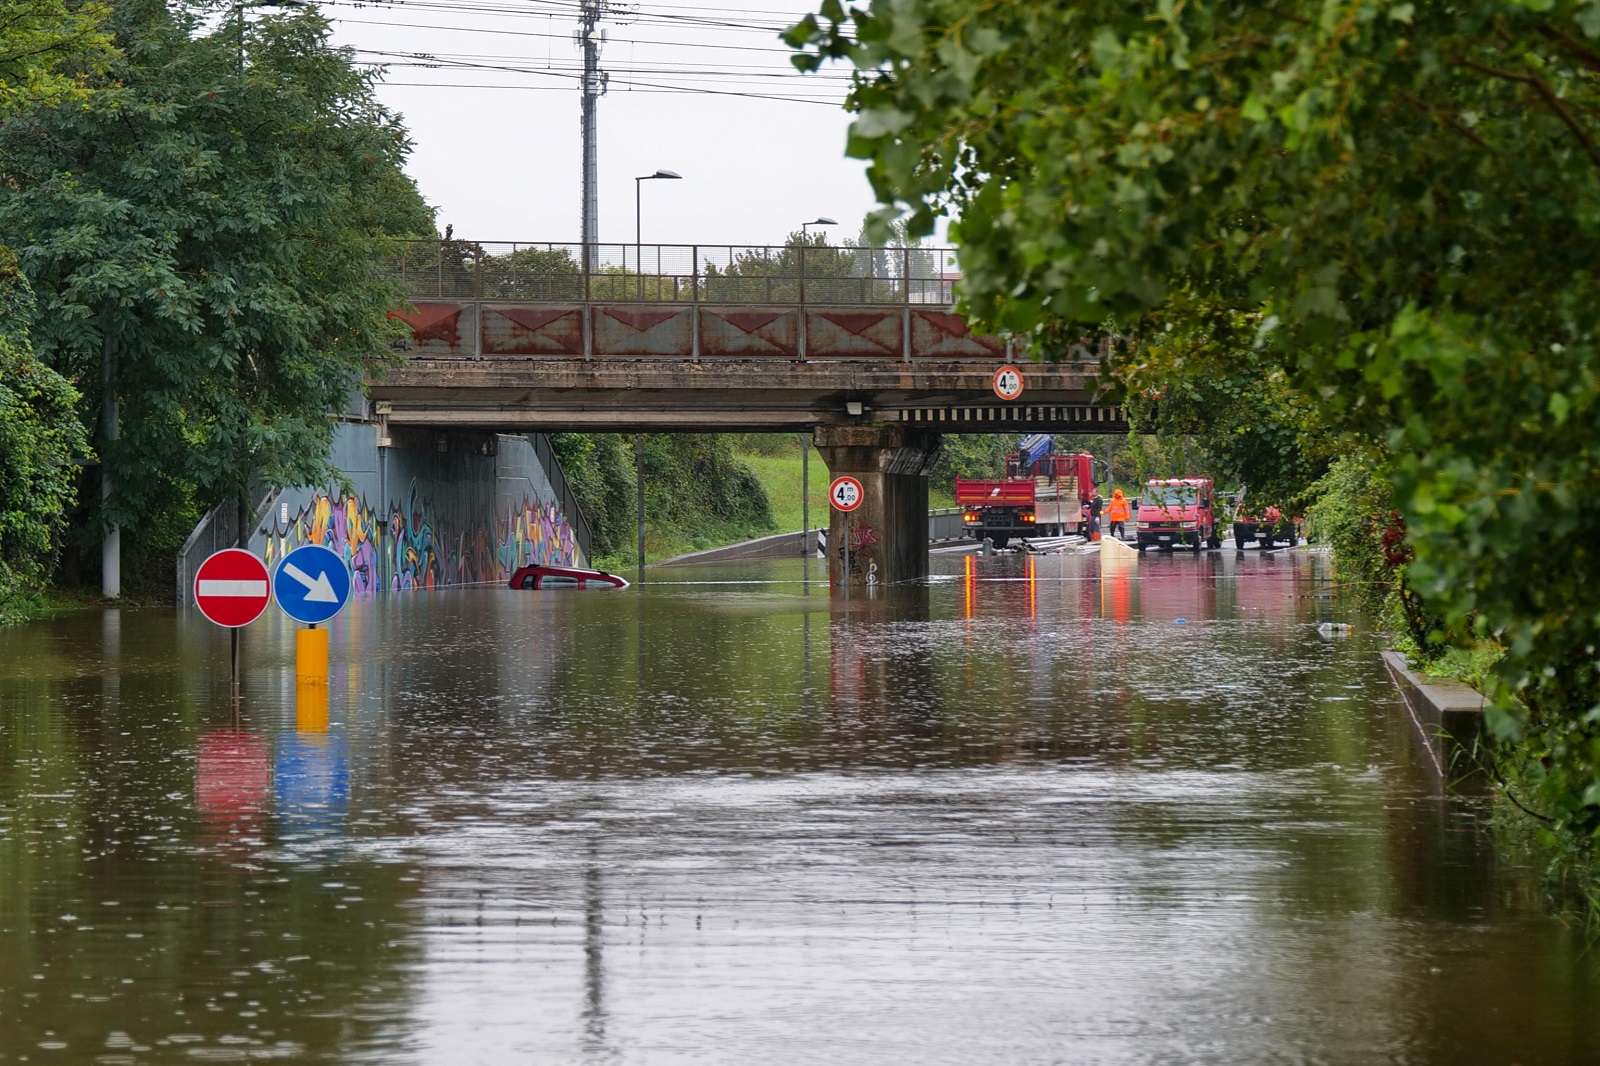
<point>407,548</point>
<point>536,534</point>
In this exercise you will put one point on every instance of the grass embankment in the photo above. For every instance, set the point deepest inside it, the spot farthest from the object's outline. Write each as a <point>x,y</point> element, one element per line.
<point>661,544</point>
<point>29,607</point>
<point>780,475</point>
<point>778,469</point>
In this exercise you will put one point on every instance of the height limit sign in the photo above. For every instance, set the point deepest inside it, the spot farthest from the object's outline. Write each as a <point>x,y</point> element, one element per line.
<point>845,494</point>
<point>1008,383</point>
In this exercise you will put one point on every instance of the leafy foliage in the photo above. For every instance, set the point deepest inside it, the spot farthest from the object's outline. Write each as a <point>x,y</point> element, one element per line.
<point>599,467</point>
<point>48,51</point>
<point>971,455</point>
<point>696,491</point>
<point>1395,205</point>
<point>40,441</point>
<point>219,216</point>
<point>1248,428</point>
<point>765,275</point>
<point>1352,512</point>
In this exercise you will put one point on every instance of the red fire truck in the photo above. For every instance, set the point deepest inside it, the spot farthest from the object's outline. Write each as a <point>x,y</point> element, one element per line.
<point>1179,512</point>
<point>1043,494</point>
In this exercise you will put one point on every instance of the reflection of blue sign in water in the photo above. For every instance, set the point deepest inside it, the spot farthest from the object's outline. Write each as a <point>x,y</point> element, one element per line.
<point>311,776</point>
<point>312,584</point>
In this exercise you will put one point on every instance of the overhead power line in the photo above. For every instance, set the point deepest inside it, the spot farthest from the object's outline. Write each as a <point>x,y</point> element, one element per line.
<point>563,36</point>
<point>663,90</point>
<point>654,86</point>
<point>625,14</point>
<point>521,64</point>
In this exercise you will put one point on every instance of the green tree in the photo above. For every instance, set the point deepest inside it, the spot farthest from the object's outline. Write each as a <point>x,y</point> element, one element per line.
<point>599,467</point>
<point>40,440</point>
<point>1394,204</point>
<point>48,51</point>
<point>767,275</point>
<point>971,455</point>
<point>697,493</point>
<point>217,214</point>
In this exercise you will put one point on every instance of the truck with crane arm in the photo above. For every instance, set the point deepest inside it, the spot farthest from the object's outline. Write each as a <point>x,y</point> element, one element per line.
<point>1042,494</point>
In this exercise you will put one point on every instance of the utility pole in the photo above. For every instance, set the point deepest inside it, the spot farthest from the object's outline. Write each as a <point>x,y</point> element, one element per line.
<point>638,476</point>
<point>594,87</point>
<point>111,541</point>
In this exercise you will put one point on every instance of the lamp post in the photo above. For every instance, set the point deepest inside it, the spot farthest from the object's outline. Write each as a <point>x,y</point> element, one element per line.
<point>820,220</point>
<point>638,263</point>
<point>638,215</point>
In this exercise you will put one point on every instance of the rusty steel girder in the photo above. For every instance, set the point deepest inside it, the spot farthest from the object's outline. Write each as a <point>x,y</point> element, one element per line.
<point>473,329</point>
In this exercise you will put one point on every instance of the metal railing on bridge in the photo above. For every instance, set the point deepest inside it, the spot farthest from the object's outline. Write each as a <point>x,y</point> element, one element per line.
<point>804,274</point>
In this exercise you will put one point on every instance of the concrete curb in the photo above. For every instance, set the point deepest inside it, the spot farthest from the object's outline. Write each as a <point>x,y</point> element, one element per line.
<point>783,545</point>
<point>1447,716</point>
<point>776,546</point>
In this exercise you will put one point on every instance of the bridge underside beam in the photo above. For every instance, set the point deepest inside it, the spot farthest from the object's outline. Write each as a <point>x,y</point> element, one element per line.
<point>756,396</point>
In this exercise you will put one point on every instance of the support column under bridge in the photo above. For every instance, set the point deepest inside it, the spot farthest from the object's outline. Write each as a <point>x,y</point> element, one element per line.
<point>888,534</point>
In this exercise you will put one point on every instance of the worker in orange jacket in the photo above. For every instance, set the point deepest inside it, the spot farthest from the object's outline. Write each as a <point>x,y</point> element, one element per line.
<point>1117,512</point>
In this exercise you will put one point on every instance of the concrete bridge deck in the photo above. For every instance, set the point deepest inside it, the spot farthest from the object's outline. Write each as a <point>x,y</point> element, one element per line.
<point>523,336</point>
<point>860,346</point>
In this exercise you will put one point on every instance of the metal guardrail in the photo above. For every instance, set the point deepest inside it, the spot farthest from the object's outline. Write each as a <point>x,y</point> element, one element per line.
<point>218,528</point>
<point>675,273</point>
<point>946,524</point>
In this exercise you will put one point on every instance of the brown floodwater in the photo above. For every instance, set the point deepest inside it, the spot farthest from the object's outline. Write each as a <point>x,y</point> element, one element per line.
<point>1017,815</point>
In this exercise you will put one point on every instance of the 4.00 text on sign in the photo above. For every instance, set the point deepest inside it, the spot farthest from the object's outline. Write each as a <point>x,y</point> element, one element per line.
<point>845,494</point>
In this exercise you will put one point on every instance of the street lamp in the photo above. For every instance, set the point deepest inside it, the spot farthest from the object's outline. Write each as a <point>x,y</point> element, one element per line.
<point>638,262</point>
<point>820,220</point>
<point>638,214</point>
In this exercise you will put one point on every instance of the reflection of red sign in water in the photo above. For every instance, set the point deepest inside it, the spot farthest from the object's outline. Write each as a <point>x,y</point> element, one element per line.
<point>232,776</point>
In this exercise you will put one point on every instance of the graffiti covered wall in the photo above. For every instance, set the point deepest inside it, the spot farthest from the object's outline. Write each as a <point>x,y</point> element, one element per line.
<point>438,510</point>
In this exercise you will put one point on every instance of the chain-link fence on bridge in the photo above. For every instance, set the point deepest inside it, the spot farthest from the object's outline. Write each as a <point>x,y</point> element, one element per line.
<point>676,273</point>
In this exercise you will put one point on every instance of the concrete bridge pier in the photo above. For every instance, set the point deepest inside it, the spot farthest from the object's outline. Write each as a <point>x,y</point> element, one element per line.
<point>888,533</point>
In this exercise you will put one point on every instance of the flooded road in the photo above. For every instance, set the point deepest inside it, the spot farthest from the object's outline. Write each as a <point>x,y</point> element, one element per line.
<point>1019,815</point>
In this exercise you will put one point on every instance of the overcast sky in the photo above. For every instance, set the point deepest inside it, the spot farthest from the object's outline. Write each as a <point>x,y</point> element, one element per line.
<point>500,159</point>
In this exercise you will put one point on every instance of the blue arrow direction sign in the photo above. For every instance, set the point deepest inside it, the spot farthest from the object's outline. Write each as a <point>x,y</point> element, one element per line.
<point>312,584</point>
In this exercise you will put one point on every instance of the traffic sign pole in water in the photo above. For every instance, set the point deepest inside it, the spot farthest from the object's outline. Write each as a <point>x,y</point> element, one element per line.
<point>231,589</point>
<point>312,585</point>
<point>845,495</point>
<point>805,512</point>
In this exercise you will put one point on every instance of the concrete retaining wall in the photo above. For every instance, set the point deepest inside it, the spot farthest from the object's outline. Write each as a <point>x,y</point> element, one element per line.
<point>432,510</point>
<point>1446,715</point>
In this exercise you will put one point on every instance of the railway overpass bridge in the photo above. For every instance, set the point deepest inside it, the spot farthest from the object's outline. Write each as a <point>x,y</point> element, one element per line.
<point>860,347</point>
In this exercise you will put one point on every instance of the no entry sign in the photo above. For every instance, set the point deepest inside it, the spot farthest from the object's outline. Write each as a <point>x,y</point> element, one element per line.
<point>231,588</point>
<point>845,494</point>
<point>1008,383</point>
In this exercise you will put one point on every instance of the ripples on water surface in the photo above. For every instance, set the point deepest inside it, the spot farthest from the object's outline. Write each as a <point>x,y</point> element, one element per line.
<point>1016,816</point>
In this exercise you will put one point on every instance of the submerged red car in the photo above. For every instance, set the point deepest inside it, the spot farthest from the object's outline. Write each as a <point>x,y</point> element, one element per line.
<point>565,577</point>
